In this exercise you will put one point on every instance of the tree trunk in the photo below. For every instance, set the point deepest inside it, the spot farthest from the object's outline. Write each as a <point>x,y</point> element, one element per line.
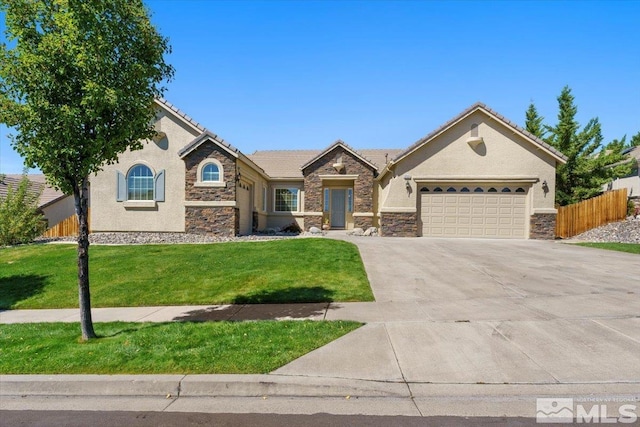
<point>80,193</point>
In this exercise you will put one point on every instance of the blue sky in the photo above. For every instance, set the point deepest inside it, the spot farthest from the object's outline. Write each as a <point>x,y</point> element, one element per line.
<point>301,74</point>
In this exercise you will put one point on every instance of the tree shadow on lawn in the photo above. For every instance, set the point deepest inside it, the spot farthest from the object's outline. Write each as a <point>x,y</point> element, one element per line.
<point>290,303</point>
<point>14,289</point>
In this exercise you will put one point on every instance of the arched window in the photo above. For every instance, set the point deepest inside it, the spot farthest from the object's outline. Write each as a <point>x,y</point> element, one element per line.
<point>451,190</point>
<point>464,190</point>
<point>424,190</point>
<point>210,173</point>
<point>478,190</point>
<point>492,190</point>
<point>506,190</point>
<point>437,190</point>
<point>520,190</point>
<point>140,183</point>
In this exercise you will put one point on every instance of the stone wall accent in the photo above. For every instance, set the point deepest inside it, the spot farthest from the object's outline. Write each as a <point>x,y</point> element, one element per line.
<point>210,150</point>
<point>216,221</point>
<point>399,224</point>
<point>543,226</point>
<point>362,186</point>
<point>312,221</point>
<point>363,222</point>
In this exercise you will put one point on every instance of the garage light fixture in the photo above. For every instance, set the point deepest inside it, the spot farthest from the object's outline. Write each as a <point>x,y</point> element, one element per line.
<point>407,179</point>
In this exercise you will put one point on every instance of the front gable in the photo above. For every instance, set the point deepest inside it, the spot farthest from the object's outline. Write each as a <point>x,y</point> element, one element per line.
<point>338,159</point>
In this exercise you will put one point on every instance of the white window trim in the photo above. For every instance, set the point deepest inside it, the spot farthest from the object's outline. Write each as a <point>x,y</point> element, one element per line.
<point>287,188</point>
<point>200,183</point>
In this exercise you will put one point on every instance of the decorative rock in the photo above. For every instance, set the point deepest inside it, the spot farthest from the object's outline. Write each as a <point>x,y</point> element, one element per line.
<point>371,231</point>
<point>358,232</point>
<point>315,230</point>
<point>627,231</point>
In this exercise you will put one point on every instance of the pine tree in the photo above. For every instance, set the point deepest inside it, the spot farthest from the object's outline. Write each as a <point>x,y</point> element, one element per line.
<point>534,122</point>
<point>589,165</point>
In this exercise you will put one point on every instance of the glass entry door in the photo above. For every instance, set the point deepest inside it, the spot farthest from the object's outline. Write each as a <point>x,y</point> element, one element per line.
<point>338,205</point>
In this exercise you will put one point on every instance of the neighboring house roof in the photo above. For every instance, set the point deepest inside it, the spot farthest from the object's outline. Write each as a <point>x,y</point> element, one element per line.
<point>633,152</point>
<point>48,196</point>
<point>288,164</point>
<point>479,106</point>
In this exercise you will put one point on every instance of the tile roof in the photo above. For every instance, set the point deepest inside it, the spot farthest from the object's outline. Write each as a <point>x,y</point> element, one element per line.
<point>175,110</point>
<point>287,163</point>
<point>503,119</point>
<point>38,183</point>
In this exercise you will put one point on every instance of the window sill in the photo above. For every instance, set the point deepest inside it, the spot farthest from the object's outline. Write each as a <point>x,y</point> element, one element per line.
<point>140,204</point>
<point>210,184</point>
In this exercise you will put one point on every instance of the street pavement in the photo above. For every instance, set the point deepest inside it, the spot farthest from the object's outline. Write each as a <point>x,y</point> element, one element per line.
<point>464,327</point>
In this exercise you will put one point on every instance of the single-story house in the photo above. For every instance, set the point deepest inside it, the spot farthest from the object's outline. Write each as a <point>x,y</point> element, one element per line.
<point>632,181</point>
<point>478,175</point>
<point>54,205</point>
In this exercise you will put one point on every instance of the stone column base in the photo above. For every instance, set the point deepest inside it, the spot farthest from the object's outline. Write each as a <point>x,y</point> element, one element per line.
<point>543,226</point>
<point>399,224</point>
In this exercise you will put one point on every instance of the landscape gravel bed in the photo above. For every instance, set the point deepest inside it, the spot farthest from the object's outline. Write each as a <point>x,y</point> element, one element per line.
<point>150,238</point>
<point>627,231</point>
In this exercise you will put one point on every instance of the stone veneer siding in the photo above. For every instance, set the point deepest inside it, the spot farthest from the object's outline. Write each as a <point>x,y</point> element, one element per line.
<point>363,222</point>
<point>399,224</point>
<point>543,226</point>
<point>219,221</point>
<point>362,186</point>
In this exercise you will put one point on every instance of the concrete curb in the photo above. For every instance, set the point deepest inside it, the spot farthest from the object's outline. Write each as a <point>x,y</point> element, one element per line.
<point>195,386</point>
<point>289,386</point>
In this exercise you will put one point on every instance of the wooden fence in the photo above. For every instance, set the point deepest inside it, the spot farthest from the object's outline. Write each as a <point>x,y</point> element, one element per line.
<point>67,227</point>
<point>580,217</point>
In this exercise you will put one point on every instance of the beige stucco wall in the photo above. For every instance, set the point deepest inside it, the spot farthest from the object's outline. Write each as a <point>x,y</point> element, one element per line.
<point>111,215</point>
<point>281,219</point>
<point>258,182</point>
<point>504,155</point>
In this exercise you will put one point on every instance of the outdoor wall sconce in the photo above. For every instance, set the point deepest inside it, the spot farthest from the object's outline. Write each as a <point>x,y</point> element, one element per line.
<point>407,182</point>
<point>545,186</point>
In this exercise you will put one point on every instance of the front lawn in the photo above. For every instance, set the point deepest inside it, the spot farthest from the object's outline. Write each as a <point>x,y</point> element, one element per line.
<point>294,270</point>
<point>162,348</point>
<point>621,247</point>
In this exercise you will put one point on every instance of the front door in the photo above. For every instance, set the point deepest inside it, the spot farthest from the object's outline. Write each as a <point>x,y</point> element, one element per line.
<point>338,217</point>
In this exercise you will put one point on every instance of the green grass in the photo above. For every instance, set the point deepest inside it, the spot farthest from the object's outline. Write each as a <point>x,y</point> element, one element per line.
<point>162,348</point>
<point>295,270</point>
<point>621,247</point>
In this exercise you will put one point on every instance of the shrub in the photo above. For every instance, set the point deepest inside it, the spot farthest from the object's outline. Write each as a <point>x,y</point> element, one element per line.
<point>20,219</point>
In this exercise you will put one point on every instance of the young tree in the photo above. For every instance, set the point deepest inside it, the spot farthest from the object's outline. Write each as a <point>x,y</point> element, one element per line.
<point>534,122</point>
<point>20,219</point>
<point>78,83</point>
<point>590,165</point>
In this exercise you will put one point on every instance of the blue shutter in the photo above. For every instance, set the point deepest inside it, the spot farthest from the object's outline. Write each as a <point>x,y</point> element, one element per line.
<point>121,187</point>
<point>159,180</point>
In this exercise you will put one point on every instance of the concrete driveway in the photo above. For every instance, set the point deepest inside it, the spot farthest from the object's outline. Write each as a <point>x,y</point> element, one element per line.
<point>463,311</point>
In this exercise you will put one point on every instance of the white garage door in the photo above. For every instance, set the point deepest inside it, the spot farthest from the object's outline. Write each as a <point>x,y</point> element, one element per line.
<point>472,211</point>
<point>243,191</point>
